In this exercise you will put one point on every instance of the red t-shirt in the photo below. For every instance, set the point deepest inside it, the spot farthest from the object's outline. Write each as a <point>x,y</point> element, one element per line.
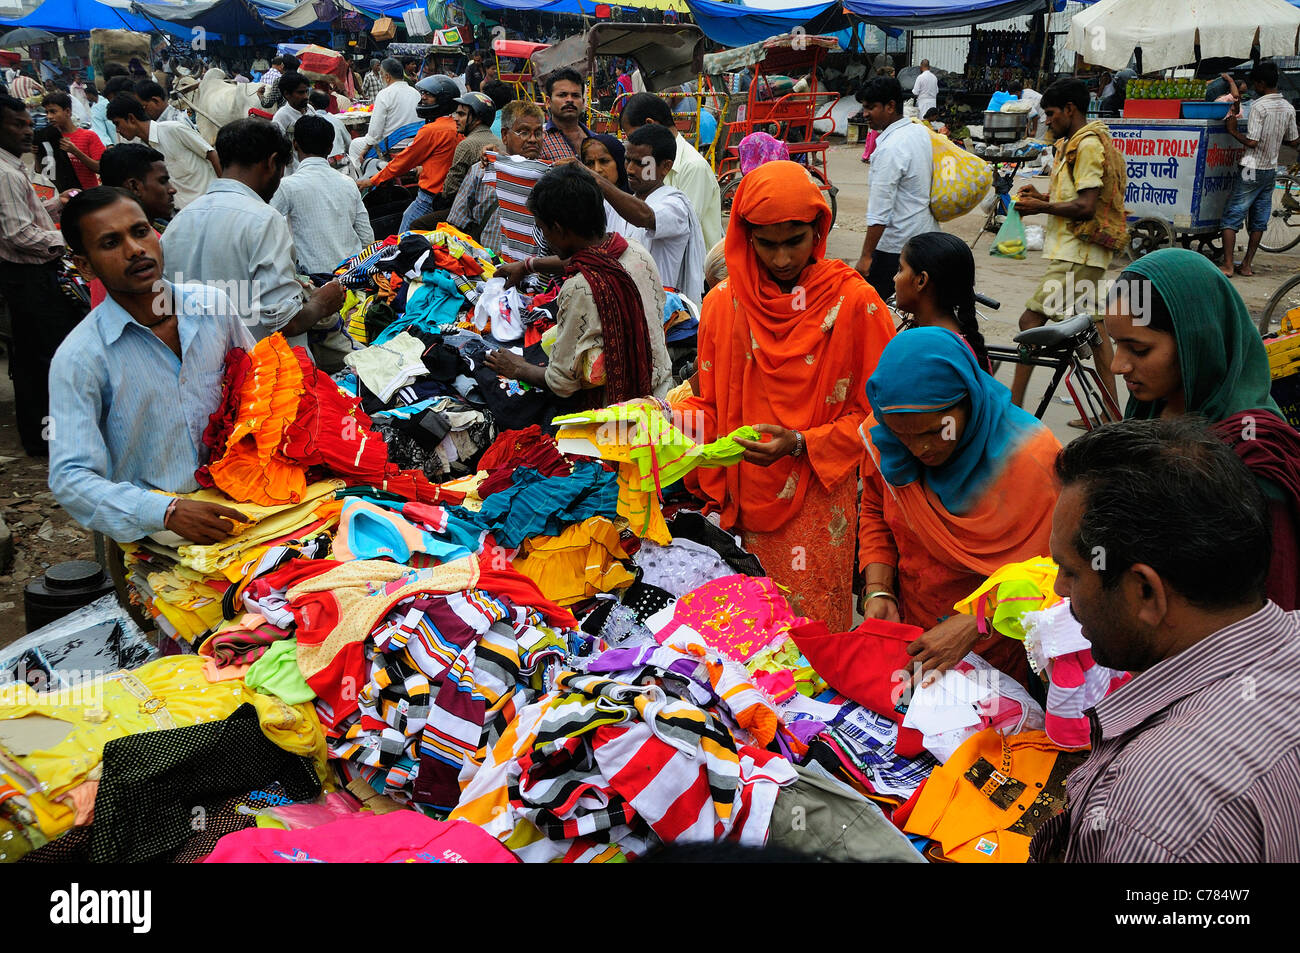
<point>91,145</point>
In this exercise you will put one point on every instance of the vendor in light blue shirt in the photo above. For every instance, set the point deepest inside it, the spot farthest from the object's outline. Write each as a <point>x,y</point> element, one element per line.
<point>132,387</point>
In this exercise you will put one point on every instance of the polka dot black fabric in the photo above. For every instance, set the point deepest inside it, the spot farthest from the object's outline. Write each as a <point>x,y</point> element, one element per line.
<point>157,786</point>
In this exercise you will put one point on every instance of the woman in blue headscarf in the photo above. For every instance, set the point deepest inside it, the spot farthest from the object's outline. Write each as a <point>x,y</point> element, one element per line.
<point>957,482</point>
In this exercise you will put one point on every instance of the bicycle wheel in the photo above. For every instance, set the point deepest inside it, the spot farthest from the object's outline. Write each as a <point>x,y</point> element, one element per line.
<point>829,190</point>
<point>1283,230</point>
<point>727,186</point>
<point>1284,300</point>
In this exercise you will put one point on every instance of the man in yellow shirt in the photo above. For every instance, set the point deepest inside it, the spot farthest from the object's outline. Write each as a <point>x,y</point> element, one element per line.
<point>1086,221</point>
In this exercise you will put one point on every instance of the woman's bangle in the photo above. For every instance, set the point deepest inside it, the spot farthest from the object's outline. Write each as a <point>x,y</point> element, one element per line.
<point>171,507</point>
<point>884,594</point>
<point>528,264</point>
<point>798,445</point>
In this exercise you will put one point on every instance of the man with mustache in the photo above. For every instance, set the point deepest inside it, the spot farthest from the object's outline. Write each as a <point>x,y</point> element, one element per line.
<point>565,130</point>
<point>133,385</point>
<point>1162,540</point>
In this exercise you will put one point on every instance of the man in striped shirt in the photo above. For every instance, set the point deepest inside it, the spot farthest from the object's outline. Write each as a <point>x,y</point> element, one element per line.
<point>475,210</point>
<point>1162,539</point>
<point>1272,122</point>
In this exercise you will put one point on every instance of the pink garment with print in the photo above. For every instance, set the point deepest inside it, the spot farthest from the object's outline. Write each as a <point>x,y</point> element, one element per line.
<point>399,837</point>
<point>738,616</point>
<point>758,148</point>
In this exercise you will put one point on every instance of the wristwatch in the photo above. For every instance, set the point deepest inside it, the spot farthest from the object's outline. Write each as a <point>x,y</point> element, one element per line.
<point>798,445</point>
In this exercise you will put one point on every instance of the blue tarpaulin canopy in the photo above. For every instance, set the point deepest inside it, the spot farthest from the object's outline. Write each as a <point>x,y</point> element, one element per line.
<point>227,17</point>
<point>82,16</point>
<point>734,24</point>
<point>939,14</point>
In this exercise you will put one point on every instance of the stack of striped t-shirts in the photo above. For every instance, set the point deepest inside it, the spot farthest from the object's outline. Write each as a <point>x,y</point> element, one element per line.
<point>515,177</point>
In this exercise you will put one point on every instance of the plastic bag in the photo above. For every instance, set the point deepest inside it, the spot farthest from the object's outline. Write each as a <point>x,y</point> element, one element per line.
<point>958,180</point>
<point>1034,236</point>
<point>87,643</point>
<point>1010,241</point>
<point>500,311</point>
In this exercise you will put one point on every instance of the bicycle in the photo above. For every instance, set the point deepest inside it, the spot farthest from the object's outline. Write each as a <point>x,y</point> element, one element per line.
<point>1283,230</point>
<point>1064,347</point>
<point>1285,300</point>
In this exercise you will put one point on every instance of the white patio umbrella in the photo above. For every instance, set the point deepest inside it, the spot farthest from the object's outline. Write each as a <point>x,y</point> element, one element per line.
<point>1106,34</point>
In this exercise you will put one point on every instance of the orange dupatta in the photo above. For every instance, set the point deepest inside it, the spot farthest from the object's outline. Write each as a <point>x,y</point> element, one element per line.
<point>799,360</point>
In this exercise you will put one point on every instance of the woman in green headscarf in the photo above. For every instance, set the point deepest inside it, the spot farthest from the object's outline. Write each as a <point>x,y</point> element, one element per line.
<point>1185,344</point>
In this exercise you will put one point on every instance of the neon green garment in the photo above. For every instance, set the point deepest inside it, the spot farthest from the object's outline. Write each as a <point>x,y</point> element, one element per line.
<point>277,673</point>
<point>651,453</point>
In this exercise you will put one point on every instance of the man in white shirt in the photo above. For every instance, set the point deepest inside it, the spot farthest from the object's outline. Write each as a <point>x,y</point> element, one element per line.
<point>691,172</point>
<point>342,138</point>
<point>322,206</point>
<point>898,202</point>
<point>191,162</point>
<point>658,216</point>
<point>926,89</point>
<point>394,108</point>
<point>157,105</point>
<point>232,236</point>
<point>99,116</point>
<point>296,90</point>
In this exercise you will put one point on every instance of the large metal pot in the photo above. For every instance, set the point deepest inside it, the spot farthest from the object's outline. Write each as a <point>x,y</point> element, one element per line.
<point>1004,127</point>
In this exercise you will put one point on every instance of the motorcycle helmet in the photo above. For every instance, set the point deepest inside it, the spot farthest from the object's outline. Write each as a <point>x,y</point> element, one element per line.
<point>444,91</point>
<point>480,106</point>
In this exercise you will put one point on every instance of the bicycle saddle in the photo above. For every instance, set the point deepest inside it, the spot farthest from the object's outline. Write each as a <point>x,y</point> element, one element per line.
<point>1055,334</point>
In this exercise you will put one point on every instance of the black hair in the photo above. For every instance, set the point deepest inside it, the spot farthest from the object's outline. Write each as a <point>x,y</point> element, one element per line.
<point>126,106</point>
<point>410,61</point>
<point>882,89</point>
<point>319,100</point>
<point>290,63</point>
<point>566,75</point>
<point>951,267</point>
<point>117,85</point>
<point>1264,72</point>
<point>1172,495</point>
<point>127,160</point>
<point>148,89</point>
<point>86,203</point>
<point>932,111</point>
<point>314,135</point>
<point>1142,300</point>
<point>277,60</point>
<point>569,196</point>
<point>13,104</point>
<point>292,82</point>
<point>62,100</point>
<point>640,108</point>
<point>500,93</point>
<point>1066,92</point>
<point>393,67</point>
<point>1016,87</point>
<point>662,141</point>
<point>247,142</point>
<point>113,70</point>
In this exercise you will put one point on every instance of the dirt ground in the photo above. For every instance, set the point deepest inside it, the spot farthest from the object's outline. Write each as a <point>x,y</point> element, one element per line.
<point>44,534</point>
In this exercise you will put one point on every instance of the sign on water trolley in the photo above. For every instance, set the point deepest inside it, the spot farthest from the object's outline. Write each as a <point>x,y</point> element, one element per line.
<point>1180,170</point>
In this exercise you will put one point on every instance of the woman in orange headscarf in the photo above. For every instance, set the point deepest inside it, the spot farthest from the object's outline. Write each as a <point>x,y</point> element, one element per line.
<point>787,343</point>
